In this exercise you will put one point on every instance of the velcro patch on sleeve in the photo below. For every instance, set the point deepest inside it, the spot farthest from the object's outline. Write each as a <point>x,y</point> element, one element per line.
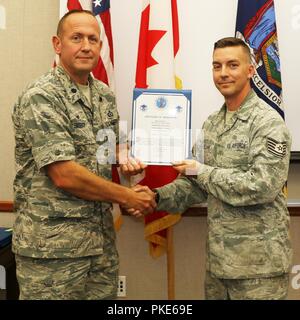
<point>278,149</point>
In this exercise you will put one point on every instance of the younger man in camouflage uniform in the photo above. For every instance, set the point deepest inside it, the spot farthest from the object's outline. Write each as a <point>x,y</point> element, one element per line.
<point>246,156</point>
<point>64,237</point>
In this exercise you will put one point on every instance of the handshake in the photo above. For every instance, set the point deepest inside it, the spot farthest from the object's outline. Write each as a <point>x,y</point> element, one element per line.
<point>141,201</point>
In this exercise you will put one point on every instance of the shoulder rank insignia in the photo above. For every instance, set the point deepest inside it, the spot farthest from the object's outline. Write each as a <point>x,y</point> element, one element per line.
<point>276,148</point>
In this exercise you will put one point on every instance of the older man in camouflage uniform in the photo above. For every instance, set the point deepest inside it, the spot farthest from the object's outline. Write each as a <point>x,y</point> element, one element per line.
<point>246,156</point>
<point>64,237</point>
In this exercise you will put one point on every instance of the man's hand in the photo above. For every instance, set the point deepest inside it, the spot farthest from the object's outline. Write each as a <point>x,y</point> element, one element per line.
<point>141,202</point>
<point>129,166</point>
<point>187,167</point>
<point>132,167</point>
<point>137,212</point>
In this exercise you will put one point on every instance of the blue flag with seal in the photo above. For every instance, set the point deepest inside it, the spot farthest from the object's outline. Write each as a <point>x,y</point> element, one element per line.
<point>256,25</point>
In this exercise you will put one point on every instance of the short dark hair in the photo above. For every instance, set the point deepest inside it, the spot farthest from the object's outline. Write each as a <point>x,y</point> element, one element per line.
<point>66,15</point>
<point>232,42</point>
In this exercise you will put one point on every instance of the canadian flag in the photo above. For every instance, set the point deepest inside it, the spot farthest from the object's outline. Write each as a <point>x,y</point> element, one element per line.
<point>157,68</point>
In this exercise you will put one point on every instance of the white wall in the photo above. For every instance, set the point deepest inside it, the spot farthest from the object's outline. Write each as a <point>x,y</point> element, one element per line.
<point>288,21</point>
<point>2,18</point>
<point>201,24</point>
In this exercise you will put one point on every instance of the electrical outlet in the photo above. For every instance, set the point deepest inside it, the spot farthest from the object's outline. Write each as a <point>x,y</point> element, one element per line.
<point>122,286</point>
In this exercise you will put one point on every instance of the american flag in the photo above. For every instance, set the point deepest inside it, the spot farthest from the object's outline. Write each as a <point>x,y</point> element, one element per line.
<point>104,71</point>
<point>101,9</point>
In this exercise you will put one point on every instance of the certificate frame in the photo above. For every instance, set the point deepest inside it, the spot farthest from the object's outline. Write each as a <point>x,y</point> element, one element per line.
<point>156,102</point>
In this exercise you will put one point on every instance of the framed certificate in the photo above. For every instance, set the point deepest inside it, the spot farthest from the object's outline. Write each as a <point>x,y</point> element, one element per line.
<point>161,126</point>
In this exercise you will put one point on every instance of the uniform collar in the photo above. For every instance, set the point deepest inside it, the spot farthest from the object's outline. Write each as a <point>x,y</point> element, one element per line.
<point>244,110</point>
<point>73,92</point>
<point>246,107</point>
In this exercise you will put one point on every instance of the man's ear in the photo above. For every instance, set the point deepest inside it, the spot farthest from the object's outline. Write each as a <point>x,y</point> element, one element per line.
<point>56,44</point>
<point>251,71</point>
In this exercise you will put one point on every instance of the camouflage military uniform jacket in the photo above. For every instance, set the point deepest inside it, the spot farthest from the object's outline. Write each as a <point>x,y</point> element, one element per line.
<point>246,166</point>
<point>53,121</point>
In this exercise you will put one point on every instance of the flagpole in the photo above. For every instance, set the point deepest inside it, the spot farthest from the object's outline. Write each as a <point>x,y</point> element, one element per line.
<point>170,264</point>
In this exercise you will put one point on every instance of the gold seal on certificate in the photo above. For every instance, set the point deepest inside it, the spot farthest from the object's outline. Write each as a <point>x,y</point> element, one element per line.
<point>161,125</point>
